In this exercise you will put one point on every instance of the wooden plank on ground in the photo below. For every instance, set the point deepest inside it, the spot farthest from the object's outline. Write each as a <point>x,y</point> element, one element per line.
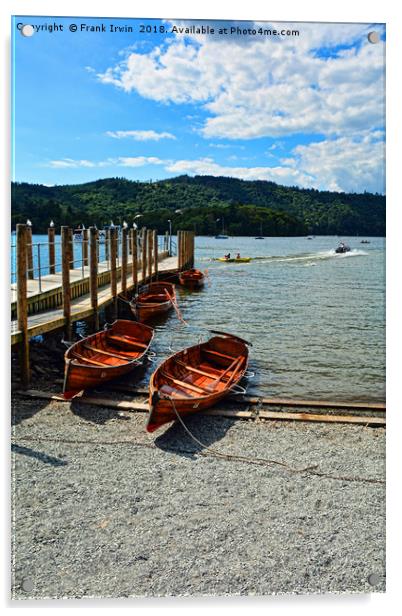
<point>271,415</point>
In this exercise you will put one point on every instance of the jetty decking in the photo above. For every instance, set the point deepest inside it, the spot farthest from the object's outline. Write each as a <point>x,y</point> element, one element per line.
<point>53,318</point>
<point>57,299</point>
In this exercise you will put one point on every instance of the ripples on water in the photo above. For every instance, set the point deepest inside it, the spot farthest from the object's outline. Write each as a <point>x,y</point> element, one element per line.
<point>316,319</point>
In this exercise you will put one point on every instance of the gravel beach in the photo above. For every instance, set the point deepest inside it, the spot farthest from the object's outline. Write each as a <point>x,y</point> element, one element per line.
<point>103,509</point>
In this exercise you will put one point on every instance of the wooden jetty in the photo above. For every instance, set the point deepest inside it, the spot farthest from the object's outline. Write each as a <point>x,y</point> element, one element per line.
<point>77,289</point>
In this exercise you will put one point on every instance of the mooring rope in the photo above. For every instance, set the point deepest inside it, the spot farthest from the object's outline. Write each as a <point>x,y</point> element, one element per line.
<point>264,461</point>
<point>208,451</point>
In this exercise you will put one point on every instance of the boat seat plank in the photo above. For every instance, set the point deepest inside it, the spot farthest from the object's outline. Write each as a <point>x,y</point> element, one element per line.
<point>108,353</point>
<point>88,360</point>
<point>174,392</point>
<point>190,386</point>
<point>211,352</point>
<point>126,340</point>
<point>197,370</point>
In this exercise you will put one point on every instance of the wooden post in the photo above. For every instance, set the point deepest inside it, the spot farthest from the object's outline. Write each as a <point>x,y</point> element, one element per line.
<point>29,250</point>
<point>150,247</point>
<point>97,244</point>
<point>155,243</point>
<point>179,250</point>
<point>22,304</point>
<point>113,276</point>
<point>70,248</point>
<point>93,274</point>
<point>85,246</point>
<point>52,253</point>
<point>107,234</point>
<point>124,235</point>
<point>65,260</point>
<point>182,253</point>
<point>134,263</point>
<point>144,254</point>
<point>192,249</point>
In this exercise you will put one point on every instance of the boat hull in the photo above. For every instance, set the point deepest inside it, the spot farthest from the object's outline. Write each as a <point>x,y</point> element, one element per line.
<point>153,301</point>
<point>104,356</point>
<point>195,379</point>
<point>241,260</point>
<point>192,279</point>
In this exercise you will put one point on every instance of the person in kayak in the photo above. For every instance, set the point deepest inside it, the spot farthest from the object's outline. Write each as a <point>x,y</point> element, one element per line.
<point>227,256</point>
<point>238,256</point>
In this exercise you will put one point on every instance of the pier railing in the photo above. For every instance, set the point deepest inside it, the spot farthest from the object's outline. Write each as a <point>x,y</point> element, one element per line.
<point>45,258</point>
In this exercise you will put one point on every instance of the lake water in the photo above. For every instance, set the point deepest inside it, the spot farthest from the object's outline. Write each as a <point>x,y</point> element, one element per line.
<point>316,319</point>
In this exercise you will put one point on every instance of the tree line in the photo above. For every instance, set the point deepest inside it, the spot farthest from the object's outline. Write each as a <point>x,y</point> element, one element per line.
<point>200,203</point>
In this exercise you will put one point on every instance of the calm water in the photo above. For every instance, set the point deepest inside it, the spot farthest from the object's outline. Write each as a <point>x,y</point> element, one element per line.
<point>316,319</point>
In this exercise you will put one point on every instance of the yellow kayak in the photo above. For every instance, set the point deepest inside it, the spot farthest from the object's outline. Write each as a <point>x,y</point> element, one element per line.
<point>241,260</point>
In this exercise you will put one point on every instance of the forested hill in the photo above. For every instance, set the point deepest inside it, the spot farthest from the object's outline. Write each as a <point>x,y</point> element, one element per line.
<point>244,206</point>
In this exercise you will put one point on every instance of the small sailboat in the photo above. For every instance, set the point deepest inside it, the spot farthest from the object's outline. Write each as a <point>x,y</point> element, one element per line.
<point>222,236</point>
<point>196,378</point>
<point>260,237</point>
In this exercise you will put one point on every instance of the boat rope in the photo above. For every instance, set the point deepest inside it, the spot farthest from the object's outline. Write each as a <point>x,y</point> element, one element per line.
<point>264,461</point>
<point>221,454</point>
<point>46,439</point>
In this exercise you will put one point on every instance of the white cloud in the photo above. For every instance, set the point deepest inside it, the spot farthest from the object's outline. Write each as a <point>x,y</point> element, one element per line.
<point>271,86</point>
<point>66,163</point>
<point>343,164</point>
<point>140,135</point>
<point>138,161</point>
<point>121,161</point>
<point>207,166</point>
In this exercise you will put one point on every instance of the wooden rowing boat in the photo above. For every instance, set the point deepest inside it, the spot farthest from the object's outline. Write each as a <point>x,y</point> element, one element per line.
<point>192,279</point>
<point>153,299</point>
<point>196,378</point>
<point>104,356</point>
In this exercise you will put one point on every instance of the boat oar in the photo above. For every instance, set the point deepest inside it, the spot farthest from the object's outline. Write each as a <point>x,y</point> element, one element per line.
<point>236,363</point>
<point>206,274</point>
<point>175,306</point>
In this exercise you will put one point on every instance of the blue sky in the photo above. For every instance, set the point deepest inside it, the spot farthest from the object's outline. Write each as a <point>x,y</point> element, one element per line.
<point>305,110</point>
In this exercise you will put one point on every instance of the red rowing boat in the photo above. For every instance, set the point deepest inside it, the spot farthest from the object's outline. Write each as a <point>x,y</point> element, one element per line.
<point>106,355</point>
<point>192,278</point>
<point>196,378</point>
<point>154,299</point>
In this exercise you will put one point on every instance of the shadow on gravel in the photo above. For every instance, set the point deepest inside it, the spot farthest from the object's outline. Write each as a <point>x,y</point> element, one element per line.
<point>38,455</point>
<point>96,414</point>
<point>207,430</point>
<point>26,408</point>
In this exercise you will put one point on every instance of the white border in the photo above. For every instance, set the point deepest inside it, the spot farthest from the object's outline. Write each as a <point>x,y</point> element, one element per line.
<point>286,10</point>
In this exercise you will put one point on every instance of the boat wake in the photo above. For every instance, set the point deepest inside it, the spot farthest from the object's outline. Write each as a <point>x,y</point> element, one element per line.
<point>307,257</point>
<point>310,256</point>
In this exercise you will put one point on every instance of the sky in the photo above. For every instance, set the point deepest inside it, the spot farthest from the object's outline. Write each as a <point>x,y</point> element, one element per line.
<point>152,99</point>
